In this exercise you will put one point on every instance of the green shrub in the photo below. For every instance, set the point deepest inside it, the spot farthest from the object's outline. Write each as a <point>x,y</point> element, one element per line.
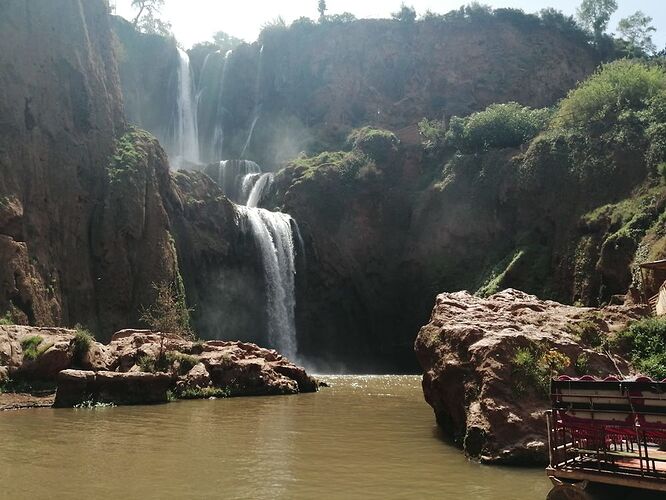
<point>587,332</point>
<point>376,143</point>
<point>498,126</point>
<point>31,347</point>
<point>533,367</point>
<point>185,361</point>
<point>204,393</point>
<point>7,319</point>
<point>83,339</point>
<point>646,342</point>
<point>616,87</point>
<point>582,364</point>
<point>147,364</point>
<point>433,133</point>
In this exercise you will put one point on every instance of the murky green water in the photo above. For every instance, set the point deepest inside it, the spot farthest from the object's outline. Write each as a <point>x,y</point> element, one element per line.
<point>365,437</point>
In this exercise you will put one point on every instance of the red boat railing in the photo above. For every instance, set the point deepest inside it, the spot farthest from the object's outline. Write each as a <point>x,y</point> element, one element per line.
<point>612,430</point>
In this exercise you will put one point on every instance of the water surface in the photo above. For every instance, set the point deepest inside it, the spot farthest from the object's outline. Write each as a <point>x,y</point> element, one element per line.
<point>365,437</point>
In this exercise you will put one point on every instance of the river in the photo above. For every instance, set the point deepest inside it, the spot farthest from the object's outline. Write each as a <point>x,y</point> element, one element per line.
<point>364,437</point>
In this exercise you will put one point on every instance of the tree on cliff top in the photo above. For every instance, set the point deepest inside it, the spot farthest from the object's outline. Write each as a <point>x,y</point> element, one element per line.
<point>637,31</point>
<point>147,19</point>
<point>321,7</point>
<point>405,14</point>
<point>595,15</point>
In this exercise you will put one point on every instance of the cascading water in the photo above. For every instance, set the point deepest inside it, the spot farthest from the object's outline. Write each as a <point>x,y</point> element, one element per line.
<point>217,139</point>
<point>257,101</point>
<point>185,136</point>
<point>276,236</point>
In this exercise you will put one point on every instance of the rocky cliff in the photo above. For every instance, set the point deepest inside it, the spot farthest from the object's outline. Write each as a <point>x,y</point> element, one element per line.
<point>303,88</point>
<point>60,111</point>
<point>487,366</point>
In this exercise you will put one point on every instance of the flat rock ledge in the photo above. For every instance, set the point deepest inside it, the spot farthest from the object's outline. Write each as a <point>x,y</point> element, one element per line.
<point>482,402</point>
<point>144,367</point>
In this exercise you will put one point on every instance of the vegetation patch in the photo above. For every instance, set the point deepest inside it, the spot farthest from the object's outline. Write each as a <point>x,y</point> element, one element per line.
<point>645,340</point>
<point>32,347</point>
<point>83,340</point>
<point>184,362</point>
<point>129,154</point>
<point>533,368</point>
<point>498,126</point>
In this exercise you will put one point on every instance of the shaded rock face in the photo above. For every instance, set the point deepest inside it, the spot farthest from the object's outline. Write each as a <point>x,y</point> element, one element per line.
<point>60,110</point>
<point>78,386</point>
<point>480,397</point>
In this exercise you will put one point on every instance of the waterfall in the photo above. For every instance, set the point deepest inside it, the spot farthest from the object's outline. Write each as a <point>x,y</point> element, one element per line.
<point>217,140</point>
<point>277,238</point>
<point>257,101</point>
<point>185,137</point>
<point>274,237</point>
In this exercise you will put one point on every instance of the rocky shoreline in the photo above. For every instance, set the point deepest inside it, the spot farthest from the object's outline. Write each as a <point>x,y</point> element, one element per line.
<point>136,367</point>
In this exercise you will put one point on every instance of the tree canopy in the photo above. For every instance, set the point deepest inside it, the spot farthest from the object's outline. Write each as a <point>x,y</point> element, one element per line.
<point>595,15</point>
<point>147,19</point>
<point>637,31</point>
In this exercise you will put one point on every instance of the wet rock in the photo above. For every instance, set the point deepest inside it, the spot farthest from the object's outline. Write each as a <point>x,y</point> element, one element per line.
<point>481,400</point>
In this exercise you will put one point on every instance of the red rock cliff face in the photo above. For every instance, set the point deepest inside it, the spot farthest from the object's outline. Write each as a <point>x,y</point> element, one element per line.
<point>60,109</point>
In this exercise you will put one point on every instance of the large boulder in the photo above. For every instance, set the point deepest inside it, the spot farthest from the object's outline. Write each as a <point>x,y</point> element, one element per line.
<point>487,399</point>
<point>78,386</point>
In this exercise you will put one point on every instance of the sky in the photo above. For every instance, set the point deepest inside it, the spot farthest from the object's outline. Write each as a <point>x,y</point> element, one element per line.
<point>196,20</point>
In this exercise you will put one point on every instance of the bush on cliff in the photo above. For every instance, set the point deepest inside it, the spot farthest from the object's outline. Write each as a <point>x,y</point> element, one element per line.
<point>377,143</point>
<point>534,366</point>
<point>498,126</point>
<point>646,342</point>
<point>615,94</point>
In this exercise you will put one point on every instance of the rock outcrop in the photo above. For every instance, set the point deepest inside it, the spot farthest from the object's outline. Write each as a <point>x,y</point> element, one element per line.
<point>116,372</point>
<point>487,365</point>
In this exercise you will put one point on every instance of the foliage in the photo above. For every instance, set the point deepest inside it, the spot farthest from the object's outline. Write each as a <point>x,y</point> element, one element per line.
<point>168,313</point>
<point>7,319</point>
<point>147,363</point>
<point>204,393</point>
<point>433,133</point>
<point>147,19</point>
<point>128,155</point>
<point>405,14</point>
<point>271,28</point>
<point>83,340</point>
<point>637,31</point>
<point>498,126</point>
<point>321,8</point>
<point>345,17</point>
<point>595,15</point>
<point>646,342</point>
<point>587,332</point>
<point>32,347</point>
<point>185,361</point>
<point>582,364</point>
<point>225,42</point>
<point>376,143</point>
<point>613,94</point>
<point>534,366</point>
